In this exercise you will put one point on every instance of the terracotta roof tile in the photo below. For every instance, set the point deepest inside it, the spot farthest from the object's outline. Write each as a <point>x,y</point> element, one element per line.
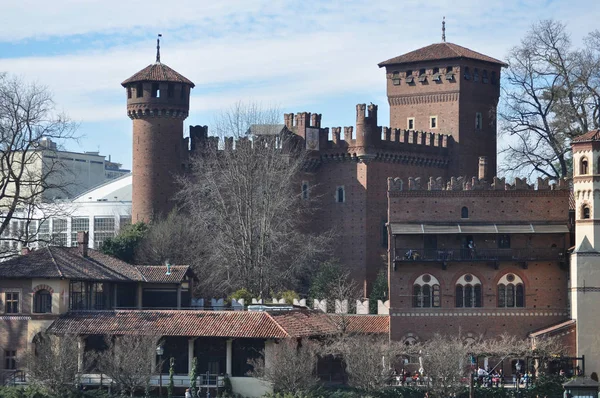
<point>440,51</point>
<point>306,323</point>
<point>241,324</point>
<point>593,135</point>
<point>158,72</point>
<point>363,324</point>
<point>158,273</point>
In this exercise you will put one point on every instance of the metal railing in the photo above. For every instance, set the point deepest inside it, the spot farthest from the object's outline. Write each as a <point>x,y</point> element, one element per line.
<point>12,377</point>
<point>466,254</point>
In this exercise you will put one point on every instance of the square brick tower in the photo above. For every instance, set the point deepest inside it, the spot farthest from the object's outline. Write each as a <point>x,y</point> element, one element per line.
<point>449,89</point>
<point>158,101</point>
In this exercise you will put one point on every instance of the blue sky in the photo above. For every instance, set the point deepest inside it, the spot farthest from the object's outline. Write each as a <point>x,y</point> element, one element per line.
<point>315,56</point>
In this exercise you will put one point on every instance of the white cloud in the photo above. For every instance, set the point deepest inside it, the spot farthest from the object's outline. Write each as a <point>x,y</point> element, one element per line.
<point>285,52</point>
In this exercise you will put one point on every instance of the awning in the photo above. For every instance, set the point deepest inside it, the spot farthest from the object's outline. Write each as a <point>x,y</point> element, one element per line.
<point>473,229</point>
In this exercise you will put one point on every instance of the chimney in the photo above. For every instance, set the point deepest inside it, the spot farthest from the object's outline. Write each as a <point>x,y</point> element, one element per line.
<point>483,168</point>
<point>82,243</point>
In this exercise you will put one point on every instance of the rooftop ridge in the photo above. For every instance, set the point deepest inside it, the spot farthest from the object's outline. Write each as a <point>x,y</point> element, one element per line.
<point>473,184</point>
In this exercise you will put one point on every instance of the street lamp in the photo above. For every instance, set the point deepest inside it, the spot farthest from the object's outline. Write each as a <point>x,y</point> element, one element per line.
<point>160,351</point>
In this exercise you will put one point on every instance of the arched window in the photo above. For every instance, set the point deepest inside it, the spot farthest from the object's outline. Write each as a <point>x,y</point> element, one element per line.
<point>511,291</point>
<point>476,75</point>
<point>494,79</point>
<point>585,212</point>
<point>42,302</point>
<point>467,73</point>
<point>464,212</point>
<point>484,76</point>
<point>468,292</point>
<point>583,166</point>
<point>426,292</point>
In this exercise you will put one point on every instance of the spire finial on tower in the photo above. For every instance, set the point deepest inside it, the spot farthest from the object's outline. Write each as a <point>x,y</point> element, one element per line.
<point>444,29</point>
<point>158,47</point>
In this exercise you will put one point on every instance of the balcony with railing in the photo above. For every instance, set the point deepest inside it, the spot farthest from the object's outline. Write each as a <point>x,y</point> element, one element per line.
<point>417,254</point>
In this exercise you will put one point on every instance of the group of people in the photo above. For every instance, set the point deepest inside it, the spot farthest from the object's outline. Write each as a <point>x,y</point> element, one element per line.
<point>493,378</point>
<point>406,378</point>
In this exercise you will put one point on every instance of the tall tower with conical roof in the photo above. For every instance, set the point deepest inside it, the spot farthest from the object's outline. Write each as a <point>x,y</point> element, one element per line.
<point>158,101</point>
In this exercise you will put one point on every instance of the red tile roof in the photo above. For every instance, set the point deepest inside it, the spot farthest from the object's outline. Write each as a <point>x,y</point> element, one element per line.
<point>158,72</point>
<point>363,324</point>
<point>593,135</point>
<point>158,273</point>
<point>440,51</point>
<point>240,324</point>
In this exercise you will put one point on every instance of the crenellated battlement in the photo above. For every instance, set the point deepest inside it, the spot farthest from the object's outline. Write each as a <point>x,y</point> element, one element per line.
<point>472,184</point>
<point>367,139</point>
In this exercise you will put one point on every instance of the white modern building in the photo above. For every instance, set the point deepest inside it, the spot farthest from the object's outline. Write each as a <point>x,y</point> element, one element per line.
<point>102,211</point>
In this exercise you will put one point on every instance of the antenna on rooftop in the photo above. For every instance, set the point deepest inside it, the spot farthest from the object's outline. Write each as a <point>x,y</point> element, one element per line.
<point>444,29</point>
<point>158,48</point>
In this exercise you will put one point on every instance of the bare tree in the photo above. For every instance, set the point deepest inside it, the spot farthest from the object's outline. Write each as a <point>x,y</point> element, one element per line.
<point>247,200</point>
<point>368,359</point>
<point>552,96</point>
<point>29,174</point>
<point>290,368</point>
<point>129,361</point>
<point>53,363</point>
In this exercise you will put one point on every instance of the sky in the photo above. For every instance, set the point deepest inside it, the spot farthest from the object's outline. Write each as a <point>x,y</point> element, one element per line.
<point>314,56</point>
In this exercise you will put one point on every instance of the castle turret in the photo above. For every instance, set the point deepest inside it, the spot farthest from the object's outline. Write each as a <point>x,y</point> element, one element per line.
<point>585,264</point>
<point>158,101</point>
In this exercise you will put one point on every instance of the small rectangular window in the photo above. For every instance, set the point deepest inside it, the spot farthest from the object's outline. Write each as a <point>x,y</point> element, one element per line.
<point>340,195</point>
<point>409,76</point>
<point>139,90</point>
<point>433,122</point>
<point>410,124</point>
<point>305,194</point>
<point>183,91</point>
<point>12,302</point>
<point>128,92</point>
<point>10,360</point>
<point>155,90</point>
<point>396,78</point>
<point>478,121</point>
<point>170,90</point>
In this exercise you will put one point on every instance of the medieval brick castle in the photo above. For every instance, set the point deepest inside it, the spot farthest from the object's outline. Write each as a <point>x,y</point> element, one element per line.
<point>466,254</point>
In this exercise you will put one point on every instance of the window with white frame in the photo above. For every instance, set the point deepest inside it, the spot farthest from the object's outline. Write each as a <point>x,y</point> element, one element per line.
<point>433,122</point>
<point>410,123</point>
<point>468,291</point>
<point>104,228</point>
<point>78,224</point>
<point>426,292</point>
<point>124,221</point>
<point>44,233</point>
<point>340,194</point>
<point>59,231</point>
<point>511,291</point>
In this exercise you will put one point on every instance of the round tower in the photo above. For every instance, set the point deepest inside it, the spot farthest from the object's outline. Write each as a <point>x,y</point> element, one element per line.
<point>158,101</point>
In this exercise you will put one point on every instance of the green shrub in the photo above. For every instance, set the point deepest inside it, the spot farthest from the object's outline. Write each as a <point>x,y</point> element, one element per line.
<point>242,294</point>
